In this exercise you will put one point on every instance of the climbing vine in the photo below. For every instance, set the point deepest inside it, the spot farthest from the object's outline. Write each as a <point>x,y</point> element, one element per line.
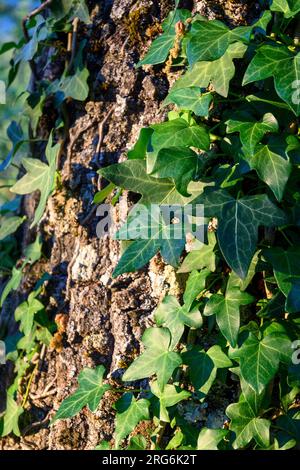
<point>230,144</point>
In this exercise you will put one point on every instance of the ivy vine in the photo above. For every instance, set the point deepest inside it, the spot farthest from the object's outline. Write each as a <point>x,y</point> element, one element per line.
<point>231,142</point>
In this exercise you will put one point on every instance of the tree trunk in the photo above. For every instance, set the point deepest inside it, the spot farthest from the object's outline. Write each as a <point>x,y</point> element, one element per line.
<point>101,319</point>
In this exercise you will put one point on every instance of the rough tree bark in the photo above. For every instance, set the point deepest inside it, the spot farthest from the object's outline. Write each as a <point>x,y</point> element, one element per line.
<point>102,318</point>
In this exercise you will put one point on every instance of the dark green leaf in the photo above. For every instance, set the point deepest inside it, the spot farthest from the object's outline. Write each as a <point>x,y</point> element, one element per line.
<point>158,358</point>
<point>238,224</point>
<point>89,393</point>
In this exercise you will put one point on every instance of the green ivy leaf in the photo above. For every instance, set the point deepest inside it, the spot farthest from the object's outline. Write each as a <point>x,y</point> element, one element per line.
<point>129,413</point>
<point>160,47</point>
<point>170,314</point>
<point>39,176</point>
<point>15,134</point>
<point>170,396</point>
<point>239,220</point>
<point>252,132</point>
<point>211,39</point>
<point>132,175</point>
<point>218,73</point>
<point>203,367</point>
<point>191,99</point>
<point>289,8</point>
<point>194,286</point>
<point>72,8</point>
<point>11,417</point>
<point>33,251</point>
<point>247,425</point>
<point>273,167</point>
<point>89,393</point>
<point>201,256</point>
<point>259,359</point>
<point>282,64</point>
<point>287,273</point>
<point>176,133</point>
<point>12,284</point>
<point>9,225</point>
<point>227,310</point>
<point>209,439</point>
<point>158,358</point>
<point>75,86</point>
<point>137,443</point>
<point>179,163</point>
<point>26,311</point>
<point>140,148</point>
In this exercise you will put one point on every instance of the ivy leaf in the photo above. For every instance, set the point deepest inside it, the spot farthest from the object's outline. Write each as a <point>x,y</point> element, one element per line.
<point>282,64</point>
<point>170,314</point>
<point>72,8</point>
<point>239,220</point>
<point>289,8</point>
<point>15,134</point>
<point>191,99</point>
<point>129,413</point>
<point>158,358</point>
<point>287,273</point>
<point>26,311</point>
<point>272,167</point>
<point>11,417</point>
<point>137,443</point>
<point>160,47</point>
<point>9,225</point>
<point>159,236</point>
<point>259,359</point>
<point>12,284</point>
<point>89,393</point>
<point>194,286</point>
<point>204,257</point>
<point>75,86</point>
<point>227,310</point>
<point>29,49</point>
<point>252,132</point>
<point>209,439</point>
<point>140,148</point>
<point>211,39</point>
<point>39,176</point>
<point>203,367</point>
<point>247,425</point>
<point>159,50</point>
<point>33,251</point>
<point>80,10</point>
<point>176,133</point>
<point>218,73</point>
<point>170,396</point>
<point>132,175</point>
<point>178,163</point>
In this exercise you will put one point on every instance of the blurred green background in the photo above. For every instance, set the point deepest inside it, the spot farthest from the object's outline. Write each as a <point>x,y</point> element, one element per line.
<point>11,14</point>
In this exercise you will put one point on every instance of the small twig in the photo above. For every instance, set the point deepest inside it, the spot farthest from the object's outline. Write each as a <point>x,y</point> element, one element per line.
<point>73,45</point>
<point>98,150</point>
<point>43,395</point>
<point>30,15</point>
<point>89,214</point>
<point>35,425</point>
<point>28,386</point>
<point>70,266</point>
<point>101,128</point>
<point>73,142</point>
